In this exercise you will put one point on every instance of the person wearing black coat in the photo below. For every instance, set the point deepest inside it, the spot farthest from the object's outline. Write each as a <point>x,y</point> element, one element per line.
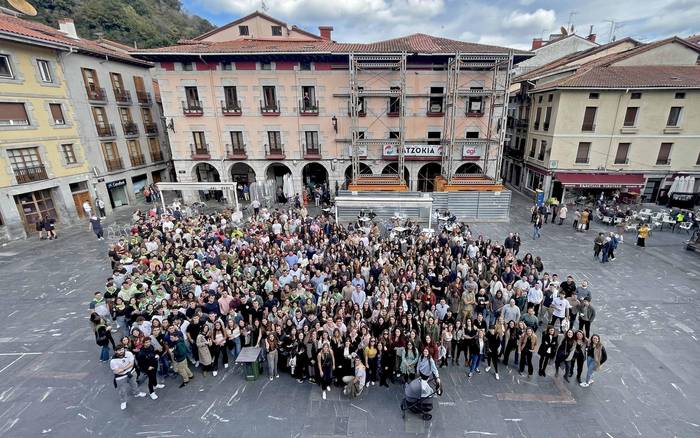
<point>548,349</point>
<point>147,359</point>
<point>493,343</point>
<point>514,332</point>
<point>565,353</point>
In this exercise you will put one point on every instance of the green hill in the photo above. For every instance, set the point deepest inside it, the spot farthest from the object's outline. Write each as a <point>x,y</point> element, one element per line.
<point>148,23</point>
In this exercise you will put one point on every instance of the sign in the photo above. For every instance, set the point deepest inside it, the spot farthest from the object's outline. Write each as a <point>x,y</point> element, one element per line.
<point>599,186</point>
<point>539,196</point>
<point>472,150</point>
<point>413,150</point>
<point>114,184</point>
<point>361,148</point>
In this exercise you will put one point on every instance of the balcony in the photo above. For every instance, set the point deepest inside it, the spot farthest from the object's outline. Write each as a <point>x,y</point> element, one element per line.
<point>30,174</point>
<point>192,108</point>
<point>114,164</point>
<point>231,108</point>
<point>270,108</point>
<point>515,153</point>
<point>96,94</point>
<point>137,160</point>
<point>156,155</point>
<point>150,128</point>
<point>308,107</point>
<point>435,109</point>
<point>123,97</point>
<point>312,152</point>
<point>200,151</point>
<point>236,152</point>
<point>130,128</point>
<point>274,152</point>
<point>105,130</point>
<point>144,97</point>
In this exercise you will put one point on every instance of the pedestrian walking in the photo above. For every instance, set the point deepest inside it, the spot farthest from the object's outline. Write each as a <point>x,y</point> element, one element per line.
<point>642,235</point>
<point>562,214</point>
<point>101,207</point>
<point>123,367</point>
<point>536,227</point>
<point>96,226</point>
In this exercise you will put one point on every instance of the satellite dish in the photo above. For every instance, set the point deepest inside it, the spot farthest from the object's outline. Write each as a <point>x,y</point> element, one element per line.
<point>563,31</point>
<point>23,6</point>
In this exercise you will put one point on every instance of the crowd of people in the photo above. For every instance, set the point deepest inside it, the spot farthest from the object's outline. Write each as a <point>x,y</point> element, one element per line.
<point>333,305</point>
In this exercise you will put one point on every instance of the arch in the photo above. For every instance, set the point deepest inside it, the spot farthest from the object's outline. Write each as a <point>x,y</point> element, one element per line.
<point>205,172</point>
<point>364,170</point>
<point>426,176</point>
<point>392,169</point>
<point>314,174</point>
<point>242,173</point>
<point>468,168</point>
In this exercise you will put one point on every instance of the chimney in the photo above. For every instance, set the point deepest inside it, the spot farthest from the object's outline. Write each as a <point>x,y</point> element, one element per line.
<point>591,37</point>
<point>67,26</point>
<point>325,32</point>
<point>537,43</point>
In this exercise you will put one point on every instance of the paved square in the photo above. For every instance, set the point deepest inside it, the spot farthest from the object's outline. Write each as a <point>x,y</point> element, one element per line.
<point>52,384</point>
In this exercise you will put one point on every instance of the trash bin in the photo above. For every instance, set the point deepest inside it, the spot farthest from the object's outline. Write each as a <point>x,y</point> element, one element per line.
<point>253,371</point>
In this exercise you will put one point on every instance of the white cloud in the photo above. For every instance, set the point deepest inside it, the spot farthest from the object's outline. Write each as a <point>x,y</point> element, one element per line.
<point>540,19</point>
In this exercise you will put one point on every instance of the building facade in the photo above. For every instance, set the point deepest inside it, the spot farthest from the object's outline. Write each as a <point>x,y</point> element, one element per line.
<point>257,99</point>
<point>623,118</point>
<point>45,170</point>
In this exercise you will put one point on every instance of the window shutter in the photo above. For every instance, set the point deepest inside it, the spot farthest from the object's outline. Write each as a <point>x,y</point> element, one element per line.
<point>13,111</point>
<point>622,152</point>
<point>582,153</point>
<point>631,115</point>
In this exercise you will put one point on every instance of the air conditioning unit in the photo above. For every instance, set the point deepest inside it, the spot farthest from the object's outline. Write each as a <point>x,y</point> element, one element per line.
<point>553,164</point>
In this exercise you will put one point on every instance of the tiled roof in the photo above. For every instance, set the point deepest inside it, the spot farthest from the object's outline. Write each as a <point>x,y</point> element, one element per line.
<point>248,17</point>
<point>695,39</point>
<point>416,43</point>
<point>31,29</point>
<point>646,76</point>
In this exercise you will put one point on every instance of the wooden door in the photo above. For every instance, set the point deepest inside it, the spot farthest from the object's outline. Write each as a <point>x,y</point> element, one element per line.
<point>78,199</point>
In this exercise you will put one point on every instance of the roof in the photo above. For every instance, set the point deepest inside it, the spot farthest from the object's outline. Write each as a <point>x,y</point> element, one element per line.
<point>695,39</point>
<point>646,76</point>
<point>600,179</point>
<point>248,17</point>
<point>562,38</point>
<point>415,43</point>
<point>32,31</point>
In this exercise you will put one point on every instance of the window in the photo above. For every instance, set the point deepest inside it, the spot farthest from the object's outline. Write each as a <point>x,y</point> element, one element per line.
<point>243,31</point>
<point>674,116</point>
<point>154,149</point>
<point>90,80</point>
<point>550,98</point>
<point>434,137</point>
<point>269,97</point>
<point>117,83</point>
<point>631,116</point>
<point>228,66</point>
<point>308,102</point>
<point>475,134</point>
<point>274,140</point>
<point>147,115</point>
<point>589,119</point>
<point>584,150</point>
<point>539,99</point>
<point>623,150</point>
<point>135,154</point>
<point>68,153</point>
<point>24,159</point>
<point>474,105</point>
<point>304,66</point>
<point>57,114</point>
<point>664,157</point>
<point>533,148</point>
<point>311,138</point>
<point>593,95</point>
<point>547,118</point>
<point>125,115</point>
<point>187,66</point>
<point>435,100</point>
<point>276,30</point>
<point>111,155</point>
<point>543,150</point>
<point>231,97</point>
<point>192,96</point>
<point>13,114</point>
<point>680,96</point>
<point>534,180</point>
<point>265,66</point>
<point>44,70</point>
<point>393,135</point>
<point>199,139</point>
<point>636,95</point>
<point>237,140</point>
<point>100,116</point>
<point>394,102</point>
<point>538,115</point>
<point>5,68</point>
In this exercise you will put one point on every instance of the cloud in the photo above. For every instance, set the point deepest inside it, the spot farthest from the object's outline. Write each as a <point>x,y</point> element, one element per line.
<point>540,19</point>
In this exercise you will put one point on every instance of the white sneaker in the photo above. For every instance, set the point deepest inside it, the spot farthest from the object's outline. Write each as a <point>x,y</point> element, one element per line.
<point>122,406</point>
<point>584,384</point>
<point>487,369</point>
<point>196,363</point>
<point>277,376</point>
<point>141,394</point>
<point>324,395</point>
<point>160,386</point>
<point>225,365</point>
<point>367,385</point>
<point>271,378</point>
<point>154,396</point>
<point>498,377</point>
<point>214,373</point>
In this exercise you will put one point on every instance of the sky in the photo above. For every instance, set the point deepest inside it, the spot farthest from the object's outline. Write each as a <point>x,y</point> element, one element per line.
<point>511,23</point>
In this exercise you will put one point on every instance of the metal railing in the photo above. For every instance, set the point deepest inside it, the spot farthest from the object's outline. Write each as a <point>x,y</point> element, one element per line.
<point>122,96</point>
<point>130,128</point>
<point>308,107</point>
<point>231,108</point>
<point>114,164</point>
<point>150,128</point>
<point>274,151</point>
<point>144,97</point>
<point>312,151</point>
<point>236,151</point>
<point>137,160</point>
<point>96,94</point>
<point>200,151</point>
<point>105,130</point>
<point>270,108</point>
<point>30,174</point>
<point>192,108</point>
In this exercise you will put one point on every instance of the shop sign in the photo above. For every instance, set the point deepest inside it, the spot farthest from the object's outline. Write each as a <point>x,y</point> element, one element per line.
<point>472,150</point>
<point>414,150</point>
<point>114,184</point>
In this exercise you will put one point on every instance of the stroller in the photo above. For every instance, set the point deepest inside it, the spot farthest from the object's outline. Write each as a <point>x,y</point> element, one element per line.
<point>418,396</point>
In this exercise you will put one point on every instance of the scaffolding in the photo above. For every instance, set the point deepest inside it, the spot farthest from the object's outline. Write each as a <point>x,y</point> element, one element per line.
<point>368,80</point>
<point>494,98</point>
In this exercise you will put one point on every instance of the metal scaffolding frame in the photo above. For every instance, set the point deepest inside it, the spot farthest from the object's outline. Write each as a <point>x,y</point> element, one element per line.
<point>373,65</point>
<point>500,66</point>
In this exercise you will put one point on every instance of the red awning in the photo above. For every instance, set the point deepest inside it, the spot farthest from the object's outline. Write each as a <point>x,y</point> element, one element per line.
<point>600,180</point>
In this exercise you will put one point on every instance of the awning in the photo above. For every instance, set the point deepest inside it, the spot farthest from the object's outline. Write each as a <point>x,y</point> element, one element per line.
<point>600,180</point>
